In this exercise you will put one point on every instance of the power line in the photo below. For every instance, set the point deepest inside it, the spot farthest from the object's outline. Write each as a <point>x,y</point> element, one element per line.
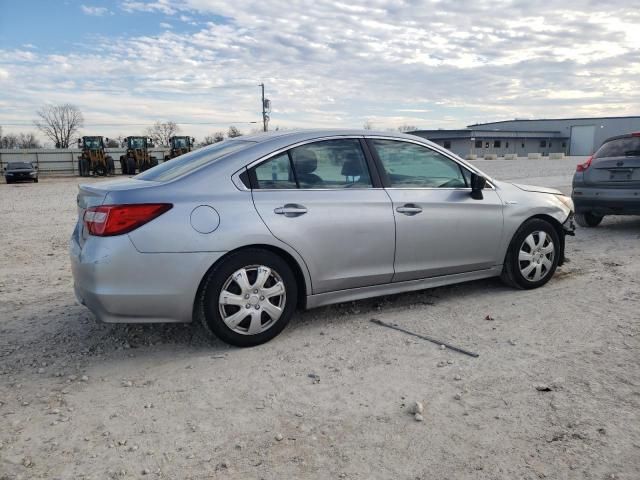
<point>134,124</point>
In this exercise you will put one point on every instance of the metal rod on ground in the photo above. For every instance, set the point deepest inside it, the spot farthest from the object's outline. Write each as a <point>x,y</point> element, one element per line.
<point>424,337</point>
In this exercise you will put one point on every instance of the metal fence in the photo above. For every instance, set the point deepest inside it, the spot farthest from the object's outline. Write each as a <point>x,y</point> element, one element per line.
<point>63,161</point>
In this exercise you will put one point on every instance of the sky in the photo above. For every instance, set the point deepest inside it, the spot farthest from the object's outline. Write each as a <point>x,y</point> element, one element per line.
<point>430,64</point>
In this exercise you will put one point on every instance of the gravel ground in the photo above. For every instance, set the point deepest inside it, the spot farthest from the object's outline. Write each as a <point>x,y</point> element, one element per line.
<point>554,394</point>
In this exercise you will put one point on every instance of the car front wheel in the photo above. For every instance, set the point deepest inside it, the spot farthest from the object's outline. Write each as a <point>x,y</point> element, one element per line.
<point>532,257</point>
<point>249,297</point>
<point>588,219</point>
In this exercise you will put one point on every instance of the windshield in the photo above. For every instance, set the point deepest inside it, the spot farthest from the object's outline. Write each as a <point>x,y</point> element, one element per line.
<point>18,165</point>
<point>136,142</point>
<point>620,147</point>
<point>190,161</point>
<point>93,143</point>
<point>179,142</point>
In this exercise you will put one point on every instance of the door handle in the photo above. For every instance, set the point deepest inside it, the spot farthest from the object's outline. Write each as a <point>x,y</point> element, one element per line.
<point>291,210</point>
<point>409,209</point>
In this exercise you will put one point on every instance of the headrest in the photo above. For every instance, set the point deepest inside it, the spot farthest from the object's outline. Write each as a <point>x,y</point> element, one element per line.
<point>305,161</point>
<point>352,167</point>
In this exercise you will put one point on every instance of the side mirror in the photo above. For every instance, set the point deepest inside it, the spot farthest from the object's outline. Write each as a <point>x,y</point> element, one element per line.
<point>477,185</point>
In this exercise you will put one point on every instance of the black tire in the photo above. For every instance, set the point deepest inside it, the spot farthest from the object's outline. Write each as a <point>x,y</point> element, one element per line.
<point>221,273</point>
<point>111,167</point>
<point>154,162</point>
<point>131,166</point>
<point>123,165</point>
<point>101,170</point>
<point>588,219</point>
<point>8,181</point>
<point>35,180</point>
<point>511,270</point>
<point>85,167</point>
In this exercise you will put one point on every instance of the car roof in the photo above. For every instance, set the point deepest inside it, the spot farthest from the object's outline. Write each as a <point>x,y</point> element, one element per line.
<point>309,134</point>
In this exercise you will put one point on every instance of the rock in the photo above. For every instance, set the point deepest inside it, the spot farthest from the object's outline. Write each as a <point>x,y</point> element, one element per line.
<point>279,437</point>
<point>145,471</point>
<point>450,362</point>
<point>41,370</point>
<point>416,407</point>
<point>418,417</point>
<point>443,347</point>
<point>315,378</point>
<point>489,318</point>
<point>457,378</point>
<point>458,396</point>
<point>84,378</point>
<point>442,364</point>
<point>127,383</point>
<point>27,462</point>
<point>512,342</point>
<point>543,387</point>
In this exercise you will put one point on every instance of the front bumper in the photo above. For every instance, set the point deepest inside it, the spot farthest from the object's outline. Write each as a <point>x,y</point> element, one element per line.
<point>121,285</point>
<point>569,226</point>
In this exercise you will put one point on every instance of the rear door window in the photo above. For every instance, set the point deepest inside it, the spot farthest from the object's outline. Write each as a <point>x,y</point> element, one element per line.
<point>327,164</point>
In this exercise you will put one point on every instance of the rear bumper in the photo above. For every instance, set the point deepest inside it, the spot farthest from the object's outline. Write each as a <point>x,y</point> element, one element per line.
<point>606,201</point>
<point>121,285</point>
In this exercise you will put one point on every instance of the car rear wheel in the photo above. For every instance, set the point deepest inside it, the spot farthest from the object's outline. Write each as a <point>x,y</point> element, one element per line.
<point>532,257</point>
<point>588,219</point>
<point>249,298</point>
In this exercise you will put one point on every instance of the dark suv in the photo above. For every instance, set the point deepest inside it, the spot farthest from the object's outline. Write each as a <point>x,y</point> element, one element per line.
<point>608,183</point>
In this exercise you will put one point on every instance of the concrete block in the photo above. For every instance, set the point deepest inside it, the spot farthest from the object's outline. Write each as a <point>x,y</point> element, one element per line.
<point>510,156</point>
<point>471,156</point>
<point>556,156</point>
<point>534,156</point>
<point>490,156</point>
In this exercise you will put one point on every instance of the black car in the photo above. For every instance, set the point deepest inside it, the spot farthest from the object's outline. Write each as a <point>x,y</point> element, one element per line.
<point>608,183</point>
<point>20,172</point>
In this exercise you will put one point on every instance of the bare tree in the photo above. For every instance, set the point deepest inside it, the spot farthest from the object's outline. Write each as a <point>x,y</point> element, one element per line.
<point>407,128</point>
<point>113,143</point>
<point>59,123</point>
<point>28,140</point>
<point>368,125</point>
<point>9,141</point>
<point>215,138</point>
<point>161,132</point>
<point>233,132</point>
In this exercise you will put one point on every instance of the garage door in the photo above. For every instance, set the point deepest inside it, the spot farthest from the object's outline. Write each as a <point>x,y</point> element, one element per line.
<point>582,139</point>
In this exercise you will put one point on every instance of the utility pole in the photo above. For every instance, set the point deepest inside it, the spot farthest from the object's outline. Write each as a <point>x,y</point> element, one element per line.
<point>264,111</point>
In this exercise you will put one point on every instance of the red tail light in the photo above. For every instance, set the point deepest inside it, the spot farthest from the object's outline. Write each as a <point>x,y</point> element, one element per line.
<point>109,220</point>
<point>635,134</point>
<point>581,167</point>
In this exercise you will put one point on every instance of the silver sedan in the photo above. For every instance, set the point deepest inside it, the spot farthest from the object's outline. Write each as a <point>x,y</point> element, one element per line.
<point>241,233</point>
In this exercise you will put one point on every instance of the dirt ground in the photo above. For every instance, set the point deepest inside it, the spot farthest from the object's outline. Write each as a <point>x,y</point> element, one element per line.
<point>330,397</point>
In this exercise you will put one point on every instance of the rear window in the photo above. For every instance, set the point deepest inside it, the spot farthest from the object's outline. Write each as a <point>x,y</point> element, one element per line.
<point>188,162</point>
<point>620,147</point>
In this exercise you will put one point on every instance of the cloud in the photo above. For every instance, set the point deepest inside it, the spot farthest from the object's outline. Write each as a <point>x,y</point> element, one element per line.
<point>429,63</point>
<point>166,25</point>
<point>94,11</point>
